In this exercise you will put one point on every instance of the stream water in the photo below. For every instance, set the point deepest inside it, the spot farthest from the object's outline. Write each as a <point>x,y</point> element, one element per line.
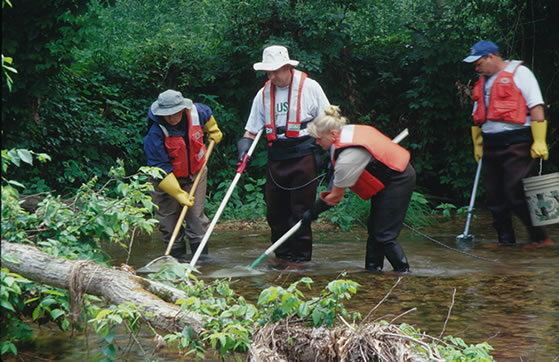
<point>513,303</point>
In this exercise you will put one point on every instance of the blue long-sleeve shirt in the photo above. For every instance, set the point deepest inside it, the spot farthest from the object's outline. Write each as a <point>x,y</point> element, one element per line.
<point>154,141</point>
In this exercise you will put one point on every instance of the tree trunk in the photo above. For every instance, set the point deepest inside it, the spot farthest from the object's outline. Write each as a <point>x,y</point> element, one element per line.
<point>156,300</point>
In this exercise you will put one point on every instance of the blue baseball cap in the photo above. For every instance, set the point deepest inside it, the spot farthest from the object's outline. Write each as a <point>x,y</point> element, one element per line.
<point>480,49</point>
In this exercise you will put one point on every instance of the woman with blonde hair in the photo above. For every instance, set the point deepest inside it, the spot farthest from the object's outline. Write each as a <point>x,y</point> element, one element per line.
<point>375,168</point>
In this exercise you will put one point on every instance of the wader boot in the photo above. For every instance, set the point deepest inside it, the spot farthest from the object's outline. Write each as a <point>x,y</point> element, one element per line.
<point>505,232</point>
<point>537,234</point>
<point>194,244</point>
<point>374,258</point>
<point>301,248</point>
<point>396,257</point>
<point>178,251</point>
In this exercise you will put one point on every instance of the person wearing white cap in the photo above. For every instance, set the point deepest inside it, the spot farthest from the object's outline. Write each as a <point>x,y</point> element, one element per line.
<point>175,143</point>
<point>283,107</point>
<point>508,133</point>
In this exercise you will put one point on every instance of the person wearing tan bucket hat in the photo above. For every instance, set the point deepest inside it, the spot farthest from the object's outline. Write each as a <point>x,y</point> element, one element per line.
<point>508,133</point>
<point>285,105</point>
<point>175,143</point>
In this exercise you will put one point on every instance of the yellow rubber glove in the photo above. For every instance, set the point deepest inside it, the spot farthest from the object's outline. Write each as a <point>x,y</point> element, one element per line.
<point>171,185</point>
<point>478,143</point>
<point>213,131</point>
<point>539,147</point>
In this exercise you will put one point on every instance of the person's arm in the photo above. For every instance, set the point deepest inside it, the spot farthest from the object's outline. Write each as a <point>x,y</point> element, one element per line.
<point>214,133</point>
<point>249,135</point>
<point>244,143</point>
<point>208,122</point>
<point>537,113</point>
<point>335,196</point>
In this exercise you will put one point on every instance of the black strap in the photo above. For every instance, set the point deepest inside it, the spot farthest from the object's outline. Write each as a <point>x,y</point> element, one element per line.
<point>506,138</point>
<point>281,130</point>
<point>284,149</point>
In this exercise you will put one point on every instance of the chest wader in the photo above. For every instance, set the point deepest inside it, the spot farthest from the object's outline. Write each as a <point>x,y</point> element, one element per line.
<point>291,163</point>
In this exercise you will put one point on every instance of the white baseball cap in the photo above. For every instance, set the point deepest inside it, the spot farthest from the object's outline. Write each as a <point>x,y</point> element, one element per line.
<point>273,58</point>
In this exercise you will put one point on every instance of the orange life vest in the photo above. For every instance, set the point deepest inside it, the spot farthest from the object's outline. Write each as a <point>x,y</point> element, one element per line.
<point>506,103</point>
<point>186,160</point>
<point>294,106</point>
<point>389,154</point>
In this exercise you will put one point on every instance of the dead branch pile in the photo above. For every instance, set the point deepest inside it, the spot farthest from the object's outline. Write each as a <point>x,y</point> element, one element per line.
<point>284,341</point>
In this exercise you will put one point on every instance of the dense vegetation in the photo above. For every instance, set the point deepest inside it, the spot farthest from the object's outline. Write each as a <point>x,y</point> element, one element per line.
<point>78,77</point>
<point>88,70</point>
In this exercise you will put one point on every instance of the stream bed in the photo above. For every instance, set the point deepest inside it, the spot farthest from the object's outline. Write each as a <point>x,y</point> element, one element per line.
<point>512,303</point>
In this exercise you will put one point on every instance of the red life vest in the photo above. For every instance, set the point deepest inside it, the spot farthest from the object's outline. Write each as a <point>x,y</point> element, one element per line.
<point>390,154</point>
<point>294,106</point>
<point>186,160</point>
<point>506,103</point>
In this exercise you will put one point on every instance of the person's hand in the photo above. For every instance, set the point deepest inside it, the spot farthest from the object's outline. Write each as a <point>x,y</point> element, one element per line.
<point>539,147</point>
<point>477,138</point>
<point>214,134</point>
<point>312,214</point>
<point>243,145</point>
<point>171,185</point>
<point>184,199</point>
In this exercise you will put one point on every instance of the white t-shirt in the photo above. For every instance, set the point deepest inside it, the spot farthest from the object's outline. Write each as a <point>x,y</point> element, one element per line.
<point>313,102</point>
<point>528,85</point>
<point>350,165</point>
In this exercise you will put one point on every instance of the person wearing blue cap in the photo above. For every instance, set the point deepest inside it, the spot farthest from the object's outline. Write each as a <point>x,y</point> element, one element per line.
<point>175,144</point>
<point>509,133</point>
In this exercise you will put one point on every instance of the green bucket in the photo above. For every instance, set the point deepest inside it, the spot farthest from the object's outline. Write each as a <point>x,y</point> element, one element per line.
<point>542,197</point>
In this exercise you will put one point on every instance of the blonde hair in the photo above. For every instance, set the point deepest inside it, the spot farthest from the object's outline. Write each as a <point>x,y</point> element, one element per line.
<point>329,119</point>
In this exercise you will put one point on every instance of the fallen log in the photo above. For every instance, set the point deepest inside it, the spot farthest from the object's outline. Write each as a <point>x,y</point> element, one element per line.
<point>155,300</point>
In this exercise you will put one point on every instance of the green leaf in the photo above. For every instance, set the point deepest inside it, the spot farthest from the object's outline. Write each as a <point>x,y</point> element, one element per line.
<point>317,316</point>
<point>109,351</point>
<point>36,313</point>
<point>7,305</point>
<point>102,314</point>
<point>55,313</point>
<point>303,309</point>
<point>267,295</point>
<point>187,332</point>
<point>25,156</point>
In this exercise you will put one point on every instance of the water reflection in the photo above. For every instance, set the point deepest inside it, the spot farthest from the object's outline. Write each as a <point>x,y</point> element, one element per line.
<point>513,303</point>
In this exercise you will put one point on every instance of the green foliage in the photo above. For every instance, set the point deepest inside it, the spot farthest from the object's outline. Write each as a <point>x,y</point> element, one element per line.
<point>418,210</point>
<point>246,201</point>
<point>106,322</point>
<point>354,210</point>
<point>11,305</point>
<point>231,318</point>
<point>446,209</point>
<point>7,68</point>
<point>49,304</point>
<point>77,227</point>
<point>87,74</point>
<point>280,303</point>
<point>453,349</point>
<point>73,228</point>
<point>392,64</point>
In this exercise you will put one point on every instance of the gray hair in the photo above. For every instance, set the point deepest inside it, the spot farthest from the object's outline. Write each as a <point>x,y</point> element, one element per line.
<point>329,119</point>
